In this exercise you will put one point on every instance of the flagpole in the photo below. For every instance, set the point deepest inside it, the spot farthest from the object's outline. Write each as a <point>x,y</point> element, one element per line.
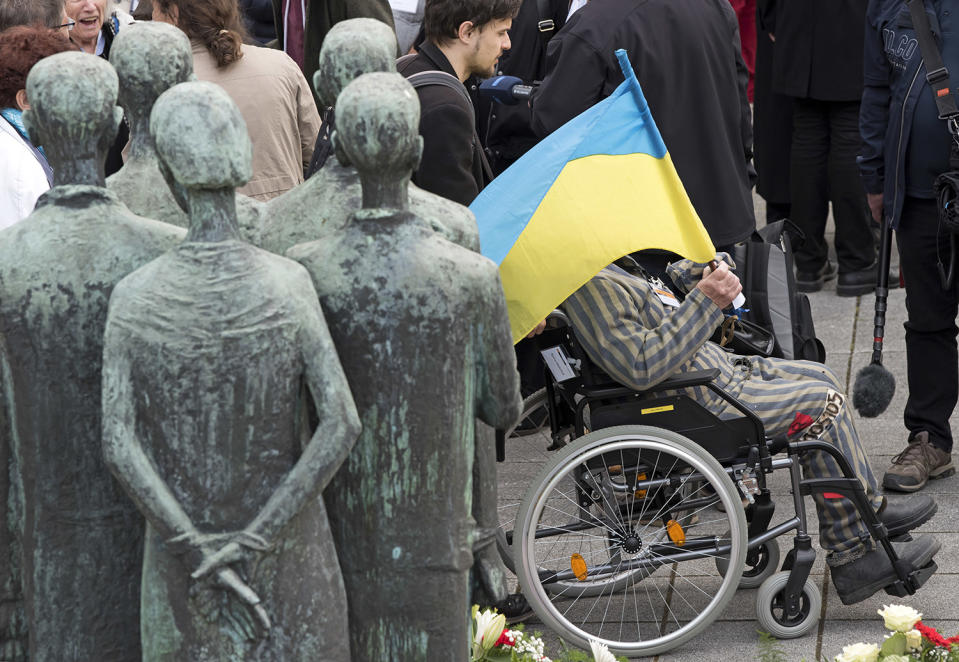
<point>630,76</point>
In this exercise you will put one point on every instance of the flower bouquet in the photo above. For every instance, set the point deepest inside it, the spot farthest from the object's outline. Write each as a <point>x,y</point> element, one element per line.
<point>911,641</point>
<point>492,641</point>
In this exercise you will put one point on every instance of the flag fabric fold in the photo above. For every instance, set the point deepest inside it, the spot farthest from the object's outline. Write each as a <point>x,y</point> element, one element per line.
<point>599,187</point>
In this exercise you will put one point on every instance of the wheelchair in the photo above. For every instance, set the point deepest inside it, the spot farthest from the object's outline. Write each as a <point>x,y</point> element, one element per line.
<point>650,512</point>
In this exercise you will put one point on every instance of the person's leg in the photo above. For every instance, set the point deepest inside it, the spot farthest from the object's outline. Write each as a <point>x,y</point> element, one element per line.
<point>855,249</point>
<point>777,391</point>
<point>931,354</point>
<point>808,182</point>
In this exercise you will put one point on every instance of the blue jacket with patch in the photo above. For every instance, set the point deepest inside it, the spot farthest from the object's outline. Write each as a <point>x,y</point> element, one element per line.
<point>894,80</point>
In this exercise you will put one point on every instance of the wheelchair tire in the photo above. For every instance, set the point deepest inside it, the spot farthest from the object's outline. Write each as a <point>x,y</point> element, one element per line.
<point>754,574</point>
<point>769,611</point>
<point>597,557</point>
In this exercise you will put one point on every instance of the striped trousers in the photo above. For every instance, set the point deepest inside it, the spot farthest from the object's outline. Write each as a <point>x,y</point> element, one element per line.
<point>776,390</point>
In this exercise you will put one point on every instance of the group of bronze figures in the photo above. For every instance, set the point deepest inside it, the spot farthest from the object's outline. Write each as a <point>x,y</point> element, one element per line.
<point>210,451</point>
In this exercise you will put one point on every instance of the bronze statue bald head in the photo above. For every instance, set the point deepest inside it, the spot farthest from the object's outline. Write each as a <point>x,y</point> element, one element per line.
<point>149,58</point>
<point>352,48</point>
<point>73,114</point>
<point>201,137</point>
<point>377,126</point>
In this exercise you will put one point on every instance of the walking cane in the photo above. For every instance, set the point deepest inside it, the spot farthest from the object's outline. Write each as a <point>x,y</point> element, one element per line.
<point>875,386</point>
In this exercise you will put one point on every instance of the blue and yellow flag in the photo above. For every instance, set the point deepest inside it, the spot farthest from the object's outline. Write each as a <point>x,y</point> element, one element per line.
<point>599,187</point>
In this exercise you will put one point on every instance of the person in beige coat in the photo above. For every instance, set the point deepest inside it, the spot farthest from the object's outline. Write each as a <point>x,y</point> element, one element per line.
<point>268,87</point>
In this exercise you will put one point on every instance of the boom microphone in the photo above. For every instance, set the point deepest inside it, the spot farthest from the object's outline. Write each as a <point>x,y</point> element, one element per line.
<point>875,385</point>
<point>507,90</point>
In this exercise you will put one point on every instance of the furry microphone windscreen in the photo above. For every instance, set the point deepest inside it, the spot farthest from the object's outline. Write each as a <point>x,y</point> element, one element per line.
<point>873,390</point>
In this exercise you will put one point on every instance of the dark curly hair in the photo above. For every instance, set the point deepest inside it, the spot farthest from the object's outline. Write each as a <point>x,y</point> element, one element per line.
<point>217,24</point>
<point>442,18</point>
<point>21,47</point>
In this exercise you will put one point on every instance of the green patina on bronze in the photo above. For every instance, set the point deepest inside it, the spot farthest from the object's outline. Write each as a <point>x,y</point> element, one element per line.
<point>149,59</point>
<point>80,536</point>
<point>421,328</point>
<point>323,203</point>
<point>207,351</point>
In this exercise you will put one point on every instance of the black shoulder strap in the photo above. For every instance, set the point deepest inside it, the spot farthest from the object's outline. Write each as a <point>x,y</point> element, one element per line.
<point>545,24</point>
<point>433,77</point>
<point>936,73</point>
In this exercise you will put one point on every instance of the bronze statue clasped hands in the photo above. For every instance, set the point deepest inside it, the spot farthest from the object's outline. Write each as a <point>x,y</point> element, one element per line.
<point>248,618</point>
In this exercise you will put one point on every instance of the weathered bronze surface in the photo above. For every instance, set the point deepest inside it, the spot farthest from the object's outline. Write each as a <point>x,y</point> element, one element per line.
<point>149,59</point>
<point>206,353</point>
<point>421,328</point>
<point>81,537</point>
<point>322,204</point>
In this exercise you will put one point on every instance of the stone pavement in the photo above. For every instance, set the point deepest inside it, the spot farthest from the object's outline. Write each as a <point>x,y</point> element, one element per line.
<point>845,325</point>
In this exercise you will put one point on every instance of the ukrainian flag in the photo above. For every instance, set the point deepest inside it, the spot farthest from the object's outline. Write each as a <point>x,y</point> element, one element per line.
<point>598,188</point>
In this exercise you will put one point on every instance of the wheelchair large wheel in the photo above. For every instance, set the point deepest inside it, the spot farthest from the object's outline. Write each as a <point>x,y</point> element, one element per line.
<point>617,540</point>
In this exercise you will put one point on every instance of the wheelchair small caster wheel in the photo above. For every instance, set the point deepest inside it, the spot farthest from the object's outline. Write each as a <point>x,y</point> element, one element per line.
<point>760,564</point>
<point>771,613</point>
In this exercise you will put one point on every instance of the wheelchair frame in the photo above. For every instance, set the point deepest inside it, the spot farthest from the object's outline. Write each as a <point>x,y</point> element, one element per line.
<point>787,602</point>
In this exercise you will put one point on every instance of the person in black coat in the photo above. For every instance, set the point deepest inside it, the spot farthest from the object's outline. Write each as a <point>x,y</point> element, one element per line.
<point>772,122</point>
<point>258,15</point>
<point>686,54</point>
<point>506,130</point>
<point>459,45</point>
<point>819,62</point>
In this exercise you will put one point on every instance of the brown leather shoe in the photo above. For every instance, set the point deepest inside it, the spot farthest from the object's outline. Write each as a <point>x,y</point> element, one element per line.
<point>913,467</point>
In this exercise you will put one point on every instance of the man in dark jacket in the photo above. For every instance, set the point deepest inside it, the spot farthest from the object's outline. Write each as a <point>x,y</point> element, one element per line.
<point>301,25</point>
<point>818,62</point>
<point>686,54</point>
<point>507,133</point>
<point>905,147</point>
<point>464,38</point>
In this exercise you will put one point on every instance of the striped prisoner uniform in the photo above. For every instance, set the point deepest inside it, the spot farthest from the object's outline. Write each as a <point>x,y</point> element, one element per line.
<point>629,332</point>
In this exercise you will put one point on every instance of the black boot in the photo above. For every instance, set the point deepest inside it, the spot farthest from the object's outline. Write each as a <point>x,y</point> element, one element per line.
<point>857,580</point>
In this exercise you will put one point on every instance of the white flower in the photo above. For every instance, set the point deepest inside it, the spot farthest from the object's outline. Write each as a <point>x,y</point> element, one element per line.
<point>913,640</point>
<point>601,652</point>
<point>899,618</point>
<point>859,653</point>
<point>488,627</point>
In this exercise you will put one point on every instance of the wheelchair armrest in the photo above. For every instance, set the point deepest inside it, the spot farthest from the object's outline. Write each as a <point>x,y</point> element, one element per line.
<point>687,379</point>
<point>693,378</point>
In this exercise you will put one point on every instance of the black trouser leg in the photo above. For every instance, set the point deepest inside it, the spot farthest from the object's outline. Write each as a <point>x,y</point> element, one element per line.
<point>808,183</point>
<point>776,211</point>
<point>932,361</point>
<point>855,249</point>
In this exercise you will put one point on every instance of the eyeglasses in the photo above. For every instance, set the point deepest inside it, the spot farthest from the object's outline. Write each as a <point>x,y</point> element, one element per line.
<point>68,25</point>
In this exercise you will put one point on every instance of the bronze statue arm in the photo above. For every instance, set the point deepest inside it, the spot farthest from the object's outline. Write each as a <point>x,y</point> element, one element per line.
<point>498,401</point>
<point>123,453</point>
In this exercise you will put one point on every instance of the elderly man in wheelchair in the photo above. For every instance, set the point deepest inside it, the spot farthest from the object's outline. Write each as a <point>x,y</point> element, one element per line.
<point>627,506</point>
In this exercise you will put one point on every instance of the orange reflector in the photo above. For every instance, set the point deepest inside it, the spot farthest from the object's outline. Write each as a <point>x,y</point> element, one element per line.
<point>640,494</point>
<point>578,565</point>
<point>676,533</point>
<point>615,469</point>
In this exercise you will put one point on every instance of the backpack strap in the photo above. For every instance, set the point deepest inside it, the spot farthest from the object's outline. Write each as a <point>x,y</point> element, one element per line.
<point>936,73</point>
<point>434,77</point>
<point>545,25</point>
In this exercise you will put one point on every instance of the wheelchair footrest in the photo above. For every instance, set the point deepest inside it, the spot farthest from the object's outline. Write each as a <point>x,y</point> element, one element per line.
<point>916,579</point>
